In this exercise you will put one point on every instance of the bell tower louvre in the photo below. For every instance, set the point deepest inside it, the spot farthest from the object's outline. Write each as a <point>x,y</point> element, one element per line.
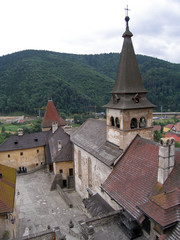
<point>128,112</point>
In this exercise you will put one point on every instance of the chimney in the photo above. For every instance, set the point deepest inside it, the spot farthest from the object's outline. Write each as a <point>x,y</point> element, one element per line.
<point>54,126</point>
<point>166,158</point>
<point>20,131</point>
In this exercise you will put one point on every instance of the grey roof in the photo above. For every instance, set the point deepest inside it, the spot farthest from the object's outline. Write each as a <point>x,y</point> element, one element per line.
<point>25,141</point>
<point>128,79</point>
<point>128,82</point>
<point>63,155</point>
<point>97,206</point>
<point>91,137</point>
<point>126,101</point>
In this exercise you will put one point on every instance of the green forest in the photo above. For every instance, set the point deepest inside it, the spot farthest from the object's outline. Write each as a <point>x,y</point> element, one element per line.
<point>78,83</point>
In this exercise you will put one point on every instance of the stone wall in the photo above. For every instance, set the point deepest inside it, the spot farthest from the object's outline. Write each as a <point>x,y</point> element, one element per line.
<point>64,166</point>
<point>3,225</point>
<point>99,172</point>
<point>123,135</point>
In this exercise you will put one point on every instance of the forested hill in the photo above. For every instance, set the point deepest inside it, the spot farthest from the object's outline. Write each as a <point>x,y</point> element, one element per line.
<point>78,82</point>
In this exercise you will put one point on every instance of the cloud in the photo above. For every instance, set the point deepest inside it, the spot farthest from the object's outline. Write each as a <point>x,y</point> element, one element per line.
<point>90,26</point>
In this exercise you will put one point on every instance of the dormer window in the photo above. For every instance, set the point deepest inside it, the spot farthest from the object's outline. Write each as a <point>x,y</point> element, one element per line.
<point>16,142</point>
<point>116,98</point>
<point>137,98</point>
<point>36,139</point>
<point>59,145</point>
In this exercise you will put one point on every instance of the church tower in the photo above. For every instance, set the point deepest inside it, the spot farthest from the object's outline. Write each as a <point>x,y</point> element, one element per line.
<point>128,112</point>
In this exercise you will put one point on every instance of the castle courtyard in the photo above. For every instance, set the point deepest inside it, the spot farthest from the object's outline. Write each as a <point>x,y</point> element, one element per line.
<point>38,208</point>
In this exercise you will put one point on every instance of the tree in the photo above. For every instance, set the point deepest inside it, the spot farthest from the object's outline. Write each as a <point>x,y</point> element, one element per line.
<point>157,136</point>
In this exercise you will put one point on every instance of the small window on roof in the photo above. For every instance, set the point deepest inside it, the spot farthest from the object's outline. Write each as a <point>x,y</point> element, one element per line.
<point>16,142</point>
<point>36,139</point>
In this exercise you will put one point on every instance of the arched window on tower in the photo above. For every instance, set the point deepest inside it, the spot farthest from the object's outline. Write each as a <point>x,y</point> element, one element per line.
<point>133,123</point>
<point>142,122</point>
<point>117,122</point>
<point>112,121</point>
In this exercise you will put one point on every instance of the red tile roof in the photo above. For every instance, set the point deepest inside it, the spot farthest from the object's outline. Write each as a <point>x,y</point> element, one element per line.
<point>157,128</point>
<point>51,115</point>
<point>132,179</point>
<point>163,208</point>
<point>7,189</point>
<point>169,126</point>
<point>177,126</point>
<point>176,137</point>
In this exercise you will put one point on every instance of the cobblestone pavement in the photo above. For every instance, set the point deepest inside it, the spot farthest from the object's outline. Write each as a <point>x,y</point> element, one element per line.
<point>38,207</point>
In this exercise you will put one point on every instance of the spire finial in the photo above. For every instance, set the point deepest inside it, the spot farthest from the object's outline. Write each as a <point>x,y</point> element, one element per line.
<point>127,9</point>
<point>127,17</point>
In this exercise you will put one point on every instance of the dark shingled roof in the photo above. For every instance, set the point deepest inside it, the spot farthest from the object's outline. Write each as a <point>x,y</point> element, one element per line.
<point>24,142</point>
<point>128,80</point>
<point>51,115</point>
<point>97,206</point>
<point>7,189</point>
<point>91,137</point>
<point>65,154</point>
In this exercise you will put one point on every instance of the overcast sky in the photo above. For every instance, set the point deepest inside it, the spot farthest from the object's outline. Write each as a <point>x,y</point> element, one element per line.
<point>90,26</point>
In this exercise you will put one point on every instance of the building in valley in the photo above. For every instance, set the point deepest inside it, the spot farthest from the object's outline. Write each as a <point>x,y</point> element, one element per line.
<point>52,147</point>
<point>24,152</point>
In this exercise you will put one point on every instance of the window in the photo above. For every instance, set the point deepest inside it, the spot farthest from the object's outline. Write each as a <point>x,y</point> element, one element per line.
<point>9,156</point>
<point>21,153</point>
<point>142,122</point>
<point>112,121</point>
<point>117,122</point>
<point>60,171</point>
<point>133,123</point>
<point>37,150</point>
<point>71,172</point>
<point>89,172</point>
<point>137,98</point>
<point>79,165</point>
<point>37,164</point>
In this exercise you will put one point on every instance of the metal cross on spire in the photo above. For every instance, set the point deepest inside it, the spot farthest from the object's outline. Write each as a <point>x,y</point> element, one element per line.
<point>127,9</point>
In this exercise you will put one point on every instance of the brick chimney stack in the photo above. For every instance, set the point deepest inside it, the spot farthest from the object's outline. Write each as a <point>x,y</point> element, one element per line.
<point>54,126</point>
<point>166,158</point>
